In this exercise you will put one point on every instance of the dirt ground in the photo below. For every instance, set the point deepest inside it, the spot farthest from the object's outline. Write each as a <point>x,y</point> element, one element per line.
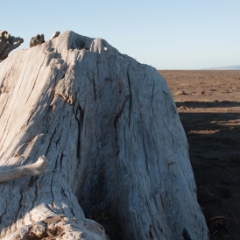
<point>209,106</point>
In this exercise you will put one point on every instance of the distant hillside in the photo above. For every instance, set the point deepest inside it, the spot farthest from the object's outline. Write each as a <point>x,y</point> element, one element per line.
<point>237,67</point>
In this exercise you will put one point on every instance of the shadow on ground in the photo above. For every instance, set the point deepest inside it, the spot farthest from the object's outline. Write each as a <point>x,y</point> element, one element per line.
<point>214,148</point>
<point>216,104</point>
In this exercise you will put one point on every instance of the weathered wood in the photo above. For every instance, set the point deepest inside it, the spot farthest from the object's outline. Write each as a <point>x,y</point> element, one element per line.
<point>34,169</point>
<point>113,139</point>
<point>37,40</point>
<point>56,34</point>
<point>8,43</point>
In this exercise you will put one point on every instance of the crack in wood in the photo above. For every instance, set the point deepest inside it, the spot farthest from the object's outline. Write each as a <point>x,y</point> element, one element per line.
<point>130,97</point>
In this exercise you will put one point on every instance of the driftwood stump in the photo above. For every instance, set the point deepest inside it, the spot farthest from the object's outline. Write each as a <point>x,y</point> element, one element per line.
<point>117,153</point>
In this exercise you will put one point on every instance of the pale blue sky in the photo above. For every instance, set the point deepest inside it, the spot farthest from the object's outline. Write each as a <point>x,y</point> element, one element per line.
<point>173,34</point>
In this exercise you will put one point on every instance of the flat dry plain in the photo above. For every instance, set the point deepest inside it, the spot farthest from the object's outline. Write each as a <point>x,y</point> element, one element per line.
<point>208,103</point>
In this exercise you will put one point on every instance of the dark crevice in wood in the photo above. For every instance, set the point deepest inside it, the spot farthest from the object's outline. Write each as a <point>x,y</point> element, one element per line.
<point>61,161</point>
<point>20,205</point>
<point>58,140</point>
<point>63,193</point>
<point>186,235</point>
<point>145,153</point>
<point>72,210</point>
<point>94,89</point>
<point>50,141</point>
<point>32,181</point>
<point>120,112</point>
<point>56,162</point>
<point>4,213</point>
<point>130,97</point>
<point>152,93</point>
<point>51,188</point>
<point>79,116</point>
<point>35,196</point>
<point>150,232</point>
<point>162,201</point>
<point>29,119</point>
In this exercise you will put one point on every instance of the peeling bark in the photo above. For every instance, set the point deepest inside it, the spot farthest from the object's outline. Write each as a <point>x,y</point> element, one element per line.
<point>117,153</point>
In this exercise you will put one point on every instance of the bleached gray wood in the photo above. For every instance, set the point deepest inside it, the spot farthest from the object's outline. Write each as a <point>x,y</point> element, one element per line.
<point>56,34</point>
<point>111,133</point>
<point>34,169</point>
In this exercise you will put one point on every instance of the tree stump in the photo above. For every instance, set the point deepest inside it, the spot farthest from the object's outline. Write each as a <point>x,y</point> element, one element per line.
<point>116,150</point>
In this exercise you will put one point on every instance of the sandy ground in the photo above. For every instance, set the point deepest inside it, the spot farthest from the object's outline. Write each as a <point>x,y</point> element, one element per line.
<point>209,106</point>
